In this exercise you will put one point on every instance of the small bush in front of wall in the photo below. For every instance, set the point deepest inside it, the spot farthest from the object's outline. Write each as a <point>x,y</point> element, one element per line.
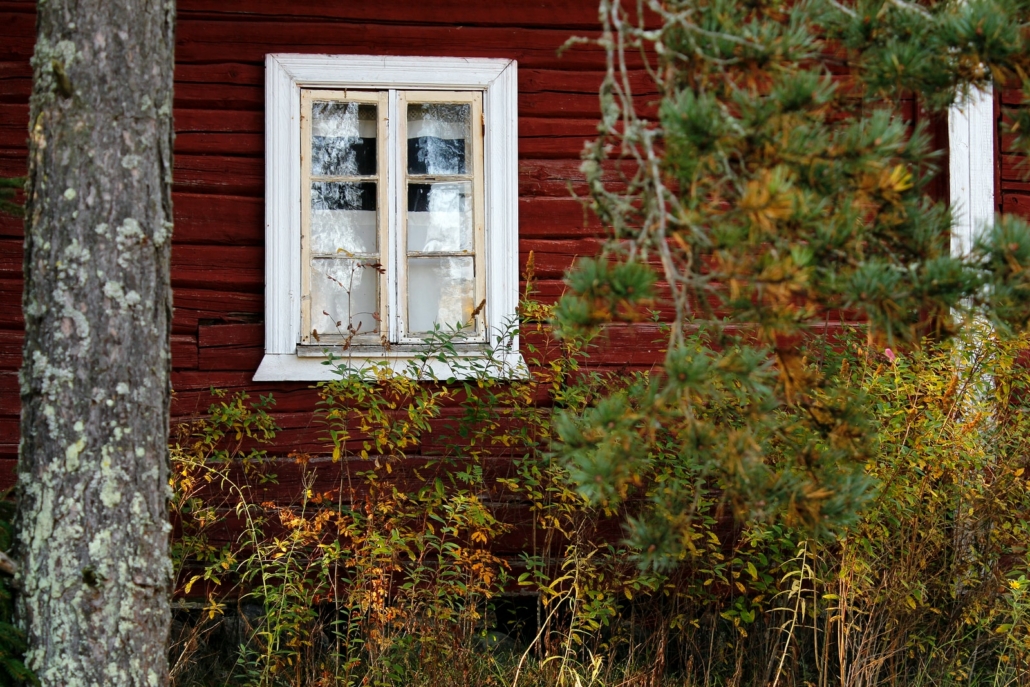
<point>377,563</point>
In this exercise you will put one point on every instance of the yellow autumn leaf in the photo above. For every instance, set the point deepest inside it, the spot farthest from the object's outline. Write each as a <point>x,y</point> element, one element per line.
<point>900,178</point>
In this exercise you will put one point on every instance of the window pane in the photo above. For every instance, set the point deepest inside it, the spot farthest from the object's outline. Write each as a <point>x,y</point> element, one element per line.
<point>343,218</point>
<point>344,292</point>
<point>343,139</point>
<point>440,217</point>
<point>440,290</point>
<point>439,137</point>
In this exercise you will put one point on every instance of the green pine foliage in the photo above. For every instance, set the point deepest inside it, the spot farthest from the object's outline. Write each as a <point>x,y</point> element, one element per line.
<point>777,187</point>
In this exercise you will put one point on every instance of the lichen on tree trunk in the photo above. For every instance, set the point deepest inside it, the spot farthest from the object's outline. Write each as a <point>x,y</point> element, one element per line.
<point>93,470</point>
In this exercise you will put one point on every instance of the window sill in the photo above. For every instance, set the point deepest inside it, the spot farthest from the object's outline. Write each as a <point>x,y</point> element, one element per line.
<point>470,364</point>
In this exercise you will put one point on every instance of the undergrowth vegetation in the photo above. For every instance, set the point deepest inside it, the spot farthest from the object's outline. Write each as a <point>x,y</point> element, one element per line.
<point>397,556</point>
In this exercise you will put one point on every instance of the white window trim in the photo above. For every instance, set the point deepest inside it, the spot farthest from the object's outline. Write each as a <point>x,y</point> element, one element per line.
<point>285,76</point>
<point>971,167</point>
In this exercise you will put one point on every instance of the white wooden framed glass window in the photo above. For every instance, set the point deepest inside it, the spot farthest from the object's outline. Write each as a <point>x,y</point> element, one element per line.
<point>391,209</point>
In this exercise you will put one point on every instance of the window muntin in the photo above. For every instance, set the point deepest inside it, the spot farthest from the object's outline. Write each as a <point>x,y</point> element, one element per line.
<point>350,228</point>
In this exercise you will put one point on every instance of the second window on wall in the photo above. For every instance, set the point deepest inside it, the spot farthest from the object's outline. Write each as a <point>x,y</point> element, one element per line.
<point>392,216</point>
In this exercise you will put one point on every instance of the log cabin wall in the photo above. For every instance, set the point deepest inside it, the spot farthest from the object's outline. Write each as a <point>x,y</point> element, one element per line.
<point>218,244</point>
<point>218,253</point>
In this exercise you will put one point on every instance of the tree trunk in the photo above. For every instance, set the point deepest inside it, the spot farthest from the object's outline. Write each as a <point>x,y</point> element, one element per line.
<point>93,470</point>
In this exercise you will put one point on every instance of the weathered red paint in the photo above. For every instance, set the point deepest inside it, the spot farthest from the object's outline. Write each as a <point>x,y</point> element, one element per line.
<point>219,170</point>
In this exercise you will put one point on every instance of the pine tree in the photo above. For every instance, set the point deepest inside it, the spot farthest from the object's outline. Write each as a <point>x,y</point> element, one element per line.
<point>776,186</point>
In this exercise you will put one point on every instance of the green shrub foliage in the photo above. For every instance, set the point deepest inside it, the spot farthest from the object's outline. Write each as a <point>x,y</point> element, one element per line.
<point>782,502</point>
<point>762,184</point>
<point>371,566</point>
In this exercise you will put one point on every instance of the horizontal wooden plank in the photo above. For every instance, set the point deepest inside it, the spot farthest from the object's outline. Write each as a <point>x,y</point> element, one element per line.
<point>1015,168</point>
<point>250,41</point>
<point>8,471</point>
<point>233,268</point>
<point>243,358</point>
<point>1012,96</point>
<point>215,219</point>
<point>9,435</point>
<point>222,175</point>
<point>13,165</point>
<point>1017,204</point>
<point>552,127</point>
<point>193,396</point>
<point>556,218</point>
<point>184,351</point>
<point>11,226</point>
<point>11,258</point>
<point>10,293</point>
<point>620,344</point>
<point>556,178</point>
<point>565,105</point>
<point>236,73</point>
<point>548,290</point>
<point>15,116</point>
<point>13,71</point>
<point>13,143</point>
<point>236,144</point>
<point>552,257</point>
<point>550,148</point>
<point>191,306</point>
<point>219,335</point>
<point>16,89</point>
<point>191,120</point>
<point>219,96</point>
<point>569,14</point>
<point>11,343</point>
<point>579,81</point>
<point>231,346</point>
<point>1010,186</point>
<point>17,33</point>
<point>10,390</point>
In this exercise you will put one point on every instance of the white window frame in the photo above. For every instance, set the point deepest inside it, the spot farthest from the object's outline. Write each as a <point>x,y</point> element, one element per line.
<point>285,76</point>
<point>971,129</point>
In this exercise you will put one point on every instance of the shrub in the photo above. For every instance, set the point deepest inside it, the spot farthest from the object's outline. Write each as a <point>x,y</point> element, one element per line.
<point>373,566</point>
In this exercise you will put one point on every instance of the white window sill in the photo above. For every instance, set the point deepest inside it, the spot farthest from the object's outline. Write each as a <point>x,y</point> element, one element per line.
<point>473,364</point>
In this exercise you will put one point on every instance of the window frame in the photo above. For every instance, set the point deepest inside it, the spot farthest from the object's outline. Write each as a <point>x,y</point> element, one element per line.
<point>286,76</point>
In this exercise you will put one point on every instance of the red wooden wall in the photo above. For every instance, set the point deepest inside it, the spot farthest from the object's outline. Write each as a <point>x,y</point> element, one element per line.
<point>1011,185</point>
<point>218,261</point>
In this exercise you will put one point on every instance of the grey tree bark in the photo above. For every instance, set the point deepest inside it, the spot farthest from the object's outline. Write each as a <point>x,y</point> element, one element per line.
<point>93,470</point>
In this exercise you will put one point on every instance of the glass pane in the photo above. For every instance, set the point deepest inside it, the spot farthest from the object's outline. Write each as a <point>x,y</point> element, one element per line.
<point>343,139</point>
<point>440,290</point>
<point>439,138</point>
<point>343,218</point>
<point>440,216</point>
<point>344,292</point>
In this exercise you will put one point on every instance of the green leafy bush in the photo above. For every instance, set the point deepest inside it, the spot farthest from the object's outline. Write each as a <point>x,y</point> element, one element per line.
<point>389,577</point>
